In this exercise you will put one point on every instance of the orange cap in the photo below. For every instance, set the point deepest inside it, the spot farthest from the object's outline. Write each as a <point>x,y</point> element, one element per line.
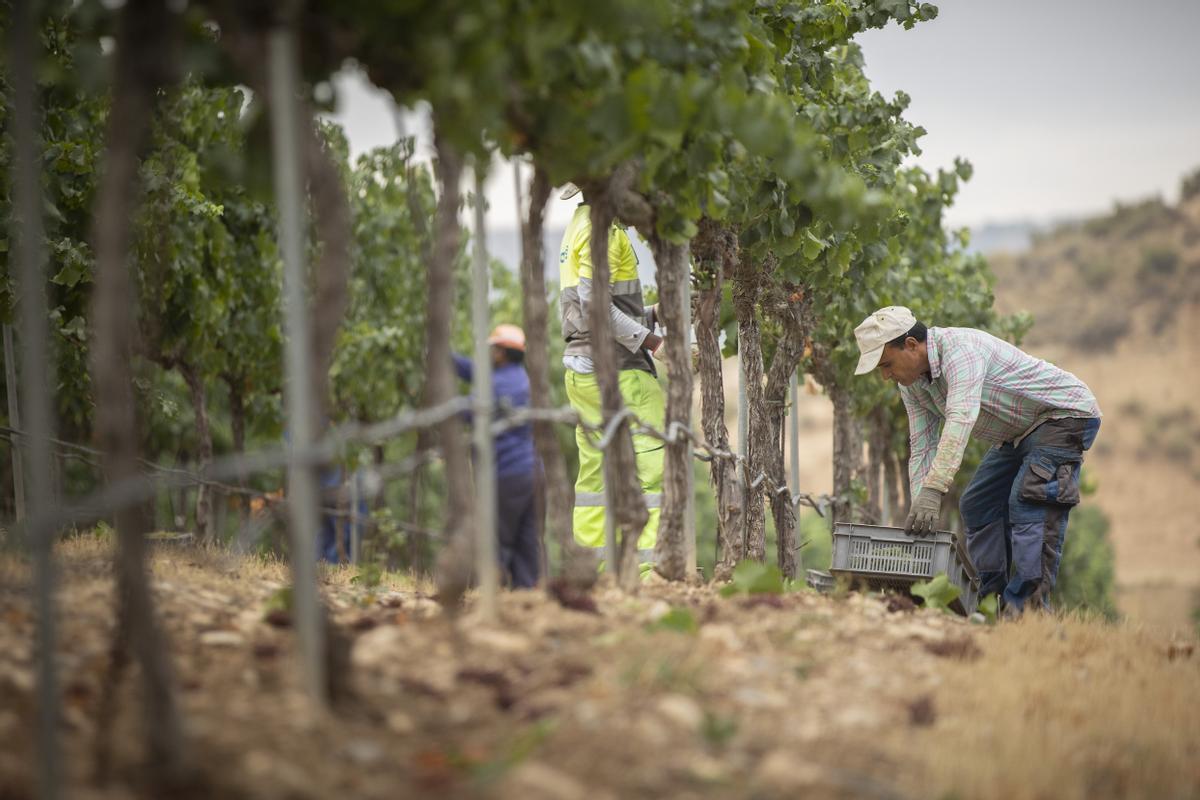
<point>509,336</point>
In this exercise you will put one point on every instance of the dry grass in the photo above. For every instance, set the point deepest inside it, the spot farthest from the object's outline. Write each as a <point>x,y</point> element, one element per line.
<point>1063,708</point>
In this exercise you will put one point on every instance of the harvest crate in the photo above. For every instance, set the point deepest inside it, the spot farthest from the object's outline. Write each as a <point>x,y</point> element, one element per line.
<point>888,558</point>
<point>821,581</point>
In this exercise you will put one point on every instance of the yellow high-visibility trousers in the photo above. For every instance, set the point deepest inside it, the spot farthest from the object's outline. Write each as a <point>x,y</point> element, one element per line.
<point>644,397</point>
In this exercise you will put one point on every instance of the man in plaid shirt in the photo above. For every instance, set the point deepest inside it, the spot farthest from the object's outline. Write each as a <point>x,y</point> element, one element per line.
<point>1038,418</point>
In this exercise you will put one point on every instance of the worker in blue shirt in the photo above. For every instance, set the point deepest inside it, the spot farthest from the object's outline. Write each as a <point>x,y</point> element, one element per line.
<point>518,471</point>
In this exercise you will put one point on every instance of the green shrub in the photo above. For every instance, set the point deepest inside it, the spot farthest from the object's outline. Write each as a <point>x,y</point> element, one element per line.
<point>1171,434</point>
<point>1138,219</point>
<point>677,619</point>
<point>937,592</point>
<point>1096,272</point>
<point>751,577</point>
<point>1086,576</point>
<point>1158,262</point>
<point>817,540</point>
<point>1190,187</point>
<point>1133,407</point>
<point>1178,450</point>
<point>1100,333</point>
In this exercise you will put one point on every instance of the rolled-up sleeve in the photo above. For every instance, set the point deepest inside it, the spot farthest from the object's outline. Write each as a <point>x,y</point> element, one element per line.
<point>922,437</point>
<point>964,372</point>
<point>625,329</point>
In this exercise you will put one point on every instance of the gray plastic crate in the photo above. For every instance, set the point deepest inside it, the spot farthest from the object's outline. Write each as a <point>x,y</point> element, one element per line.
<point>821,581</point>
<point>888,558</point>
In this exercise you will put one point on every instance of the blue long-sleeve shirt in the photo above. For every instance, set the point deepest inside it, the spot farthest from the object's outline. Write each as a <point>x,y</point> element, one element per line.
<point>510,385</point>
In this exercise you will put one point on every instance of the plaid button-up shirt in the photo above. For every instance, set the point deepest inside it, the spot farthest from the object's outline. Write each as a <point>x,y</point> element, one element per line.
<point>983,386</point>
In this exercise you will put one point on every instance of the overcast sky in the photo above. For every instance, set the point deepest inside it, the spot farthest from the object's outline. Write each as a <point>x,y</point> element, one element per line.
<point>1063,106</point>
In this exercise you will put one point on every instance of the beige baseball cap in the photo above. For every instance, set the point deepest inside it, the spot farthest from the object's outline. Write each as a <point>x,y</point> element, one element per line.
<point>569,191</point>
<point>877,330</point>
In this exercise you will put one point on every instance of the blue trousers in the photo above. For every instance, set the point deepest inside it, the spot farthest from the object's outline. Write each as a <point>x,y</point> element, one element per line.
<point>518,509</point>
<point>1015,510</point>
<point>336,527</point>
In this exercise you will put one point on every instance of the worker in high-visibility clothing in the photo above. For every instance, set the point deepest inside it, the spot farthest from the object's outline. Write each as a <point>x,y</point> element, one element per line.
<point>637,347</point>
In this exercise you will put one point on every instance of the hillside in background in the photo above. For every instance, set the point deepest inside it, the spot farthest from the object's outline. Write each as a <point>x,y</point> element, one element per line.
<point>1114,300</point>
<point>996,237</point>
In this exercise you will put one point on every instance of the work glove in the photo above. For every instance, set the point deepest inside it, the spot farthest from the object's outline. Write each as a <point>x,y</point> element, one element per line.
<point>923,516</point>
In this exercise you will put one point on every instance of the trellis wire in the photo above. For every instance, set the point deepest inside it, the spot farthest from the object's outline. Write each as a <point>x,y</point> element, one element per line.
<point>108,499</point>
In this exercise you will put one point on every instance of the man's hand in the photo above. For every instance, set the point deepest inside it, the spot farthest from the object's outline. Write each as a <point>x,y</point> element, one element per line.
<point>923,516</point>
<point>656,345</point>
<point>659,352</point>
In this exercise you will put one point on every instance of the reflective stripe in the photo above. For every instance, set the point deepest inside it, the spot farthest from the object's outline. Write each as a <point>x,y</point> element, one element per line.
<point>589,499</point>
<point>597,554</point>
<point>633,287</point>
<point>583,499</point>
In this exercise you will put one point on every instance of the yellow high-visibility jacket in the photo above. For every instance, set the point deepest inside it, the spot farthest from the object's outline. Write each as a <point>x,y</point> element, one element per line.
<point>575,276</point>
